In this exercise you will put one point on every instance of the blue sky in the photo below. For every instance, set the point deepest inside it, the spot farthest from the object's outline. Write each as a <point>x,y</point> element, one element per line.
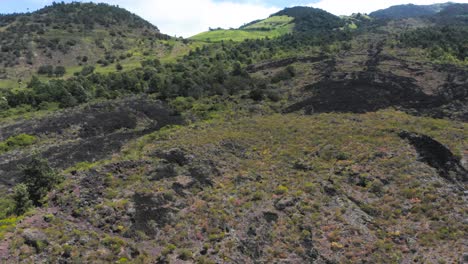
<point>189,17</point>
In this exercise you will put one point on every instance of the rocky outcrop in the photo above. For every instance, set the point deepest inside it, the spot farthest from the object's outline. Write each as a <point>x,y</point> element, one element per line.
<point>437,156</point>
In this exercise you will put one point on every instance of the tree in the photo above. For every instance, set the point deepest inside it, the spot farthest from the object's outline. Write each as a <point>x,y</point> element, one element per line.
<point>39,179</point>
<point>59,71</point>
<point>35,82</point>
<point>21,198</point>
<point>87,70</point>
<point>46,69</point>
<point>237,69</point>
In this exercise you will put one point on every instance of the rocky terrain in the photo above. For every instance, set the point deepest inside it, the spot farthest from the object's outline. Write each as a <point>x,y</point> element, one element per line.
<point>341,142</point>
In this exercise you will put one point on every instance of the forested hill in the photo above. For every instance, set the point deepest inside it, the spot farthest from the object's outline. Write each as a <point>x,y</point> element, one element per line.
<point>69,36</point>
<point>410,10</point>
<point>311,19</point>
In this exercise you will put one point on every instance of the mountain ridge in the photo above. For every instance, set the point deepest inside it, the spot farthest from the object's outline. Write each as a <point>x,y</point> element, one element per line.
<point>410,10</point>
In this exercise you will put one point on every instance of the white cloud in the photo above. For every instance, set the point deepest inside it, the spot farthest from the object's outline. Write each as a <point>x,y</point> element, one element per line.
<point>189,17</point>
<point>347,7</point>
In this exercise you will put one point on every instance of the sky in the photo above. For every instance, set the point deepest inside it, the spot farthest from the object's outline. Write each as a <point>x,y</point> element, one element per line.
<point>189,17</point>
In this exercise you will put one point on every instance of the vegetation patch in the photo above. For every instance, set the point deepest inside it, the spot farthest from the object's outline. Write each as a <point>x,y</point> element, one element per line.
<point>18,141</point>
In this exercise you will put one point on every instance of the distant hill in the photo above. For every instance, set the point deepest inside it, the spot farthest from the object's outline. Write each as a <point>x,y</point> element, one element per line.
<point>410,10</point>
<point>289,20</point>
<point>70,36</point>
<point>311,19</point>
<point>271,27</point>
<point>456,14</point>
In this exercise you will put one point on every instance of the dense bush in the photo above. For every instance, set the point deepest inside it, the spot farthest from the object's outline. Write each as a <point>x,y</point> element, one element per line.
<point>46,70</point>
<point>87,70</point>
<point>14,142</point>
<point>283,75</point>
<point>59,71</point>
<point>22,199</point>
<point>39,178</point>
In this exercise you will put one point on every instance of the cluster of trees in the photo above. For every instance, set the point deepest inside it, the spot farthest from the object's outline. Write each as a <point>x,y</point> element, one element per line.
<point>190,78</point>
<point>50,71</point>
<point>90,14</point>
<point>441,41</point>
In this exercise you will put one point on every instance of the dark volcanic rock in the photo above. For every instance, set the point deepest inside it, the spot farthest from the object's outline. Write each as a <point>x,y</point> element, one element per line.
<point>203,172</point>
<point>175,155</point>
<point>366,93</point>
<point>152,212</point>
<point>283,62</point>
<point>437,156</point>
<point>270,216</point>
<point>285,202</point>
<point>164,170</point>
<point>105,123</point>
<point>85,134</point>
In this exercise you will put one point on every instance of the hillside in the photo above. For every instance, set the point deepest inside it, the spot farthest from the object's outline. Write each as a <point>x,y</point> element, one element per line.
<point>309,138</point>
<point>410,10</point>
<point>287,21</point>
<point>271,27</point>
<point>69,37</point>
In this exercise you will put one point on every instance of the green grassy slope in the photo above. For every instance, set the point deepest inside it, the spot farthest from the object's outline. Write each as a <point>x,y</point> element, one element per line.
<point>271,27</point>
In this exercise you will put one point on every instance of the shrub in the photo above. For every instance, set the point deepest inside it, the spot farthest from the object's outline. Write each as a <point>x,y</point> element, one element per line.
<point>46,70</point>
<point>21,198</point>
<point>39,178</point>
<point>87,70</point>
<point>256,95</point>
<point>281,190</point>
<point>185,254</point>
<point>21,140</point>
<point>59,71</point>
<point>286,74</point>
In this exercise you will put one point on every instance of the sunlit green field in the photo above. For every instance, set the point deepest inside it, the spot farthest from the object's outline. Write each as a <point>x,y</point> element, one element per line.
<point>271,27</point>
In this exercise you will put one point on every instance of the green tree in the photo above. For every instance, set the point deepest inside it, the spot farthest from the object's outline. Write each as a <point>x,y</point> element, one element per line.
<point>59,71</point>
<point>39,178</point>
<point>46,70</point>
<point>87,70</point>
<point>21,198</point>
